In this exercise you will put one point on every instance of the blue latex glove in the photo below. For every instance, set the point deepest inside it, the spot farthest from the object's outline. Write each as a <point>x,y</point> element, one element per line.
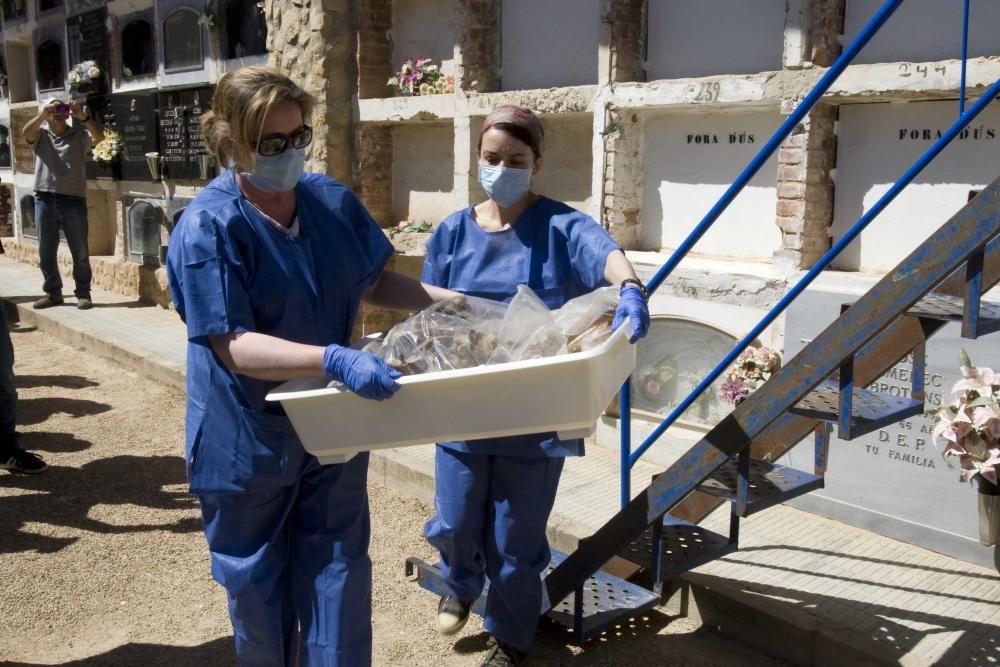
<point>363,373</point>
<point>632,305</point>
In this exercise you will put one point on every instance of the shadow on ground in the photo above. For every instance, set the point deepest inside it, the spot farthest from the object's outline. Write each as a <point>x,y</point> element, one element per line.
<point>64,497</point>
<point>37,410</point>
<point>217,653</point>
<point>61,381</point>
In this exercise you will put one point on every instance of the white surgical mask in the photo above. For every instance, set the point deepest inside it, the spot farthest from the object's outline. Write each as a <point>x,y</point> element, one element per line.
<point>277,173</point>
<point>504,185</point>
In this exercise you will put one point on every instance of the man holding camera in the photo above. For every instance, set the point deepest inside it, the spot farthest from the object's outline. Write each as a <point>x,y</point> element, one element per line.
<point>61,194</point>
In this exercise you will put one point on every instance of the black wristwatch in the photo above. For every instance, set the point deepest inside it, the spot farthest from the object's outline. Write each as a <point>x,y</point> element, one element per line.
<point>637,283</point>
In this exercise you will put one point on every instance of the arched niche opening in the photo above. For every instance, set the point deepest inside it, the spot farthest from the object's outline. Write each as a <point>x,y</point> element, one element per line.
<point>26,205</point>
<point>244,30</point>
<point>182,41</point>
<point>6,158</point>
<point>49,65</point>
<point>137,49</point>
<point>14,9</point>
<point>672,360</point>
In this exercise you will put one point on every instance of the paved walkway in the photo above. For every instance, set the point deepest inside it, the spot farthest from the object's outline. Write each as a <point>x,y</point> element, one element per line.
<point>802,587</point>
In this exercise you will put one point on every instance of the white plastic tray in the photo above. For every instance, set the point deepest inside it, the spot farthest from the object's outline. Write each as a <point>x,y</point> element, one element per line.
<point>565,393</point>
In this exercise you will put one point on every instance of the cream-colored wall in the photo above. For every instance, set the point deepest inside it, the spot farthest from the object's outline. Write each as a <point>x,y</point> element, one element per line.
<point>689,39</point>
<point>924,30</point>
<point>549,43</point>
<point>422,172</point>
<point>423,29</point>
<point>684,176</point>
<point>877,143</point>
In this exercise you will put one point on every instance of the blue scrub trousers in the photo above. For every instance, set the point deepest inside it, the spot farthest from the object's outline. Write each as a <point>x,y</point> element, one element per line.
<point>491,518</point>
<point>294,561</point>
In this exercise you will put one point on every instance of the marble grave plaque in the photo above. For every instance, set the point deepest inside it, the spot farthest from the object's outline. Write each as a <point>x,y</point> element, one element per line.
<point>894,481</point>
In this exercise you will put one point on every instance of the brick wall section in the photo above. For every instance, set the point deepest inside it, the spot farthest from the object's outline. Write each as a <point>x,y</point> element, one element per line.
<point>623,178</point>
<point>825,24</point>
<point>373,171</point>
<point>315,43</point>
<point>628,40</point>
<point>375,64</point>
<point>24,157</point>
<point>805,189</point>
<point>477,63</point>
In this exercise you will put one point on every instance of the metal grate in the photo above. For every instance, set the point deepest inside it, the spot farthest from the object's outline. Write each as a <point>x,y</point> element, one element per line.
<point>951,308</point>
<point>606,599</point>
<point>684,547</point>
<point>769,483</point>
<point>871,410</point>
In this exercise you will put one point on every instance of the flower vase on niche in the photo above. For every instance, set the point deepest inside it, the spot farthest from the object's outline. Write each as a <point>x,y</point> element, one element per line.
<point>108,155</point>
<point>989,511</point>
<point>969,430</point>
<point>85,78</point>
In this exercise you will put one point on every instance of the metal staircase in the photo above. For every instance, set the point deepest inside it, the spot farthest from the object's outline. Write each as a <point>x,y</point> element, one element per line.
<point>823,386</point>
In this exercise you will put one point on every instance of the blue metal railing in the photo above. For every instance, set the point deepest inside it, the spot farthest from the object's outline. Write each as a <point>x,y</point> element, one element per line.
<point>629,458</point>
<point>965,56</point>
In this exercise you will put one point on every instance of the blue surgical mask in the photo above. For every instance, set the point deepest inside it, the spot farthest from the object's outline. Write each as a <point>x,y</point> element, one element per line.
<point>277,173</point>
<point>504,185</point>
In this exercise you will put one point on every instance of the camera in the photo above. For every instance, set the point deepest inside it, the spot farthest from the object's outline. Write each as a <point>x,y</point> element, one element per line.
<point>62,108</point>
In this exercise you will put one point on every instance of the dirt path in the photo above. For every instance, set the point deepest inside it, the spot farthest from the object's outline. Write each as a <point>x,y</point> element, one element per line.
<point>103,561</point>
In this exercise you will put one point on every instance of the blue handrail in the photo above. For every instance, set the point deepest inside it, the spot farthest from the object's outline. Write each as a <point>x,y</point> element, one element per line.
<point>965,55</point>
<point>831,75</point>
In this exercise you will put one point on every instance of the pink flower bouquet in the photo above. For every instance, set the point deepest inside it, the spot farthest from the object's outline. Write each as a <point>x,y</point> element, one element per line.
<point>969,428</point>
<point>421,77</point>
<point>752,368</point>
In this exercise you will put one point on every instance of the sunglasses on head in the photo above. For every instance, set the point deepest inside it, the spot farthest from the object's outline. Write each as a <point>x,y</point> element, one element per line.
<point>300,138</point>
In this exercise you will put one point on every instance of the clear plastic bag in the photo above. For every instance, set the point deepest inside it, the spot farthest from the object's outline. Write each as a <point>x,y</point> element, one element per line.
<point>467,331</point>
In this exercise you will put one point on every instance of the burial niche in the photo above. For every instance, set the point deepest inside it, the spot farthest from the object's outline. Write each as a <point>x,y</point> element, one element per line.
<point>5,154</point>
<point>137,49</point>
<point>50,65</point>
<point>182,40</point>
<point>28,227</point>
<point>244,29</point>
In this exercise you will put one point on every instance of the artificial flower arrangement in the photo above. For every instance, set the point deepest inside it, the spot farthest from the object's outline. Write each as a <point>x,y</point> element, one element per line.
<point>969,428</point>
<point>752,368</point>
<point>421,77</point>
<point>84,75</point>
<point>109,149</point>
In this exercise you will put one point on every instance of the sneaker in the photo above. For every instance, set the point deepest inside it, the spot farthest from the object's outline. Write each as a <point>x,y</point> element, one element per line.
<point>501,655</point>
<point>23,462</point>
<point>452,614</point>
<point>48,301</point>
<point>84,303</point>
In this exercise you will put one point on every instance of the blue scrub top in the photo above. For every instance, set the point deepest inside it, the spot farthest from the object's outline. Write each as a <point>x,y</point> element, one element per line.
<point>556,250</point>
<point>230,270</point>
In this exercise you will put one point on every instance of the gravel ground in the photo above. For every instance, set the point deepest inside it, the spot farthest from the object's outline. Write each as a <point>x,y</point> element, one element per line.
<point>104,563</point>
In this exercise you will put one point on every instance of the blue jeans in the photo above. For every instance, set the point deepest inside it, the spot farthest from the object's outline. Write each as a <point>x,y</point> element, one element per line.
<point>8,393</point>
<point>53,211</point>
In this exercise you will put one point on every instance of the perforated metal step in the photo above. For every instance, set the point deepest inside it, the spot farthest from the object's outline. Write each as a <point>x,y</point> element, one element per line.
<point>769,484</point>
<point>937,306</point>
<point>606,599</point>
<point>684,547</point>
<point>871,411</point>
